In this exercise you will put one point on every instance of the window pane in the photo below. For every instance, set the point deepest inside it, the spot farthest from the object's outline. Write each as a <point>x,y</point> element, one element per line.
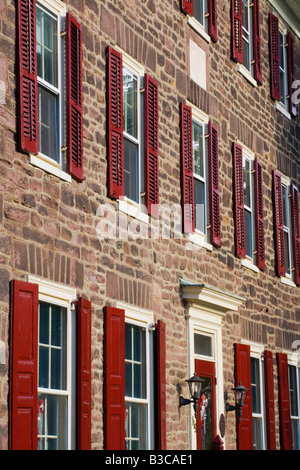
<point>255,386</point>
<point>52,422</point>
<point>293,391</point>
<point>248,233</point>
<point>48,123</point>
<point>135,362</point>
<point>130,103</point>
<point>205,414</point>
<point>44,318</point>
<point>136,426</point>
<point>247,182</point>
<point>203,345</point>
<point>245,14</point>
<point>44,367</point>
<point>287,253</point>
<point>198,10</point>
<point>199,199</point>
<point>131,170</point>
<point>257,434</point>
<point>47,56</point>
<point>198,149</point>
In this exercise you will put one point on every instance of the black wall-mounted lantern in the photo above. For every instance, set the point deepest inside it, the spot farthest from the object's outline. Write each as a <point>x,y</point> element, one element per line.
<point>240,395</point>
<point>195,384</point>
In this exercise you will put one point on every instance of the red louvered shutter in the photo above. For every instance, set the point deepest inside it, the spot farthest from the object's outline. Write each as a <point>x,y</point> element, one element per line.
<point>295,232</point>
<point>212,19</point>
<point>259,215</point>
<point>214,186</point>
<point>114,378</point>
<point>278,222</point>
<point>270,402</point>
<point>23,366</point>
<point>84,375</point>
<point>240,240</point>
<point>237,24</point>
<point>274,57</point>
<point>187,6</point>
<point>187,179</point>
<point>74,98</point>
<point>257,43</point>
<point>286,440</point>
<point>115,123</point>
<point>291,73</point>
<point>27,74</point>
<point>160,411</point>
<point>243,375</point>
<point>151,145</point>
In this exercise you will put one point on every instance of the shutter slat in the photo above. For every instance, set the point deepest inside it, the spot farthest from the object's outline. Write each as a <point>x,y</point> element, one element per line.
<point>74,98</point>
<point>274,57</point>
<point>240,240</point>
<point>114,378</point>
<point>214,186</point>
<point>259,215</point>
<point>151,145</point>
<point>212,19</point>
<point>187,178</point>
<point>160,412</point>
<point>278,223</point>
<point>270,401</point>
<point>257,43</point>
<point>243,375</point>
<point>115,123</point>
<point>23,366</point>
<point>237,23</point>
<point>83,375</point>
<point>27,75</point>
<point>187,6</point>
<point>295,232</point>
<point>286,440</point>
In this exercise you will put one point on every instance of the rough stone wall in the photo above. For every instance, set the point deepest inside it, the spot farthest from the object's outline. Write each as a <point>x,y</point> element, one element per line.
<point>48,227</point>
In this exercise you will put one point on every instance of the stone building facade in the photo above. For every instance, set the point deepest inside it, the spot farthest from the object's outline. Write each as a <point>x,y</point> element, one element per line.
<point>149,223</point>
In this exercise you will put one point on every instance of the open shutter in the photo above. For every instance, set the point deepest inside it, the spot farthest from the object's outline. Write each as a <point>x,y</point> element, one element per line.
<point>84,375</point>
<point>212,19</point>
<point>291,72</point>
<point>115,138</point>
<point>257,43</point>
<point>160,381</point>
<point>187,6</point>
<point>270,402</point>
<point>278,223</point>
<point>151,145</point>
<point>274,57</point>
<point>286,440</point>
<point>74,98</point>
<point>27,74</point>
<point>187,179</point>
<point>295,232</point>
<point>214,187</point>
<point>237,23</point>
<point>243,375</point>
<point>259,213</point>
<point>23,366</point>
<point>114,378</point>
<point>240,241</point>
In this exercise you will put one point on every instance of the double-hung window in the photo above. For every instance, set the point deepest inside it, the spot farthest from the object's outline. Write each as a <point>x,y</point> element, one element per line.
<point>257,403</point>
<point>247,33</point>
<point>283,68</point>
<point>294,388</point>
<point>248,176</point>
<point>202,17</point>
<point>200,174</point>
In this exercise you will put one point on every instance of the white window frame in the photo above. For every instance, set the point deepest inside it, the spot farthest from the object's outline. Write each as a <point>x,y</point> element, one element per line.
<point>201,29</point>
<point>283,106</point>
<point>145,319</point>
<point>59,10</point>
<point>293,360</point>
<point>288,278</point>
<point>63,296</point>
<point>242,69</point>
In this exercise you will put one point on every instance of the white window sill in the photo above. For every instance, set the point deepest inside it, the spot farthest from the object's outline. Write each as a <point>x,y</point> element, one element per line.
<point>49,167</point>
<point>134,210</point>
<point>287,281</point>
<point>200,240</point>
<point>243,71</point>
<point>280,107</point>
<point>198,28</point>
<point>247,263</point>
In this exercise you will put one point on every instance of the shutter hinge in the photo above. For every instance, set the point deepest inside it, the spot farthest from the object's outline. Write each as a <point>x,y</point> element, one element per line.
<point>64,148</point>
<point>142,90</point>
<point>74,304</point>
<point>152,327</point>
<point>63,33</point>
<point>143,193</point>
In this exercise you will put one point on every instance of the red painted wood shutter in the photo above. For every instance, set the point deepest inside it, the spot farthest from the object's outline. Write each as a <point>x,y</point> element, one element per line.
<point>115,123</point>
<point>259,213</point>
<point>212,19</point>
<point>269,400</point>
<point>237,23</point>
<point>257,43</point>
<point>187,178</point>
<point>187,6</point>
<point>278,223</point>
<point>286,440</point>
<point>27,77</point>
<point>291,73</point>
<point>274,57</point>
<point>151,145</point>
<point>23,366</point>
<point>240,241</point>
<point>295,232</point>
<point>114,378</point>
<point>243,375</point>
<point>214,186</point>
<point>83,424</point>
<point>160,382</point>
<point>74,98</point>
